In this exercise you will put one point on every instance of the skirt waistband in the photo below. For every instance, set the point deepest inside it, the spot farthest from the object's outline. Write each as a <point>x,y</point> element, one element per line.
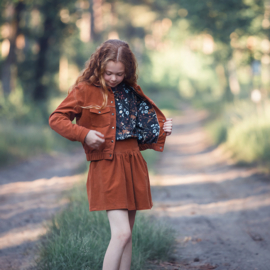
<point>127,144</point>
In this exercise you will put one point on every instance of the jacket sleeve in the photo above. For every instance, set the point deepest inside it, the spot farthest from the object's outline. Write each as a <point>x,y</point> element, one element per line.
<point>61,119</point>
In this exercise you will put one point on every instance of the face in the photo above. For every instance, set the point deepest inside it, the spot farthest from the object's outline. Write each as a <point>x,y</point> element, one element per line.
<point>114,73</point>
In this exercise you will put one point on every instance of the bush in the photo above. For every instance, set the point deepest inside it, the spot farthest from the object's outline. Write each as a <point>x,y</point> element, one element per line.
<point>218,131</point>
<point>249,140</point>
<point>244,129</point>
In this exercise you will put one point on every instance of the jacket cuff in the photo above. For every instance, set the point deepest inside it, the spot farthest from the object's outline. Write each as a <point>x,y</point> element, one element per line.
<point>83,135</point>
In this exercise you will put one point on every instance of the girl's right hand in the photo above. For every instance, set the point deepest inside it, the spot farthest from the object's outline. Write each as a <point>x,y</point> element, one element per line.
<point>94,139</point>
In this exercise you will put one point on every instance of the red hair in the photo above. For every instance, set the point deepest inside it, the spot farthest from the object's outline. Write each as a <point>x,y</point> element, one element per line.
<point>111,50</point>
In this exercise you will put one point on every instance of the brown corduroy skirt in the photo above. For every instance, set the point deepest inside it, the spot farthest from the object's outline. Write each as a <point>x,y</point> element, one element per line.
<point>120,183</point>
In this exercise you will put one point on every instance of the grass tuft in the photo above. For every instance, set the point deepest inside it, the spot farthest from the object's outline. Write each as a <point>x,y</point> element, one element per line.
<point>77,239</point>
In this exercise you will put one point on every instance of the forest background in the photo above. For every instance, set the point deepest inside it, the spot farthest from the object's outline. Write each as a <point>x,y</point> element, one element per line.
<point>209,54</point>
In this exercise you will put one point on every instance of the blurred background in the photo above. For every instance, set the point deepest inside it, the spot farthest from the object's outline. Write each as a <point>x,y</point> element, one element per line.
<point>211,54</point>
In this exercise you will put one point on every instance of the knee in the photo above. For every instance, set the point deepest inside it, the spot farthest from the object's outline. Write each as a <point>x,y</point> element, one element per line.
<point>123,237</point>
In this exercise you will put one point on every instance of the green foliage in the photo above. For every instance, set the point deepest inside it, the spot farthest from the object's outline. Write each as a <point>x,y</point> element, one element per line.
<point>220,19</point>
<point>249,140</point>
<point>42,27</point>
<point>174,64</point>
<point>218,131</point>
<point>22,141</point>
<point>24,130</point>
<point>244,129</point>
<point>77,239</point>
<point>14,110</point>
<point>170,39</point>
<point>178,74</point>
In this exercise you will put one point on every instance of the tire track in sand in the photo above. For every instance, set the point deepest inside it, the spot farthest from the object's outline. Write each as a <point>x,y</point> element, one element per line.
<point>221,212</point>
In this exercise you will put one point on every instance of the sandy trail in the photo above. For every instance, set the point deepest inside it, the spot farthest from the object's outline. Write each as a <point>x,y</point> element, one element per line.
<point>30,193</point>
<point>221,212</point>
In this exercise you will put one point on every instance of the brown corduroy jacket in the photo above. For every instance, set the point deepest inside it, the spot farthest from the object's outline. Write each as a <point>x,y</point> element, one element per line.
<point>102,120</point>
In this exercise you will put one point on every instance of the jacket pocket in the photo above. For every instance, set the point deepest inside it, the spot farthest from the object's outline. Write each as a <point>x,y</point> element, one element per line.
<point>100,117</point>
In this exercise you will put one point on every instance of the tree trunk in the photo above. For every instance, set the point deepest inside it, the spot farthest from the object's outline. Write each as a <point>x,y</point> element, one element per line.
<point>10,62</point>
<point>92,28</point>
<point>40,89</point>
<point>95,9</point>
<point>228,95</point>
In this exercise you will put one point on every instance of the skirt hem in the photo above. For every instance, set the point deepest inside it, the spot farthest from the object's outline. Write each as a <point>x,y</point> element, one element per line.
<point>119,208</point>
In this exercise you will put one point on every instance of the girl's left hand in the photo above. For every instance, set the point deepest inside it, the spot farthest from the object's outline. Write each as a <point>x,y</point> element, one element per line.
<point>167,127</point>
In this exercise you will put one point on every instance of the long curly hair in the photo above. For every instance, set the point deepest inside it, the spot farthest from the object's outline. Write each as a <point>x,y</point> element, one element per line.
<point>111,50</point>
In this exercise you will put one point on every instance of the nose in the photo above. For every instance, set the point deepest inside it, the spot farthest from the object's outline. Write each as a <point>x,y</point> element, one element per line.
<point>113,78</point>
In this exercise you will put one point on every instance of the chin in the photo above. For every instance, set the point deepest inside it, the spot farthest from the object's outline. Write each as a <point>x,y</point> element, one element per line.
<point>113,85</point>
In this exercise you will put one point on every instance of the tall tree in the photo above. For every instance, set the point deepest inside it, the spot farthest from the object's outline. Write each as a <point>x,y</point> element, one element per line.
<point>220,19</point>
<point>54,32</point>
<point>9,65</point>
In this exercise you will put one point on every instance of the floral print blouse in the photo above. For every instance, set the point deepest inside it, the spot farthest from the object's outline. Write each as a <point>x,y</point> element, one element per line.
<point>135,117</point>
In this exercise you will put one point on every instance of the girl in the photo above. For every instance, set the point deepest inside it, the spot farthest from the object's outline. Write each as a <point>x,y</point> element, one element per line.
<point>115,120</point>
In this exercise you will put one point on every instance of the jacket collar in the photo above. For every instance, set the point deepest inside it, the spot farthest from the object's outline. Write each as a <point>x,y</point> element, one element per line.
<point>136,88</point>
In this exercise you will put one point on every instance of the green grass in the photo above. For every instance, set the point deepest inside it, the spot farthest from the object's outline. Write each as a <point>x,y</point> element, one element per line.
<point>21,141</point>
<point>249,140</point>
<point>244,129</point>
<point>77,239</point>
<point>24,130</point>
<point>218,131</point>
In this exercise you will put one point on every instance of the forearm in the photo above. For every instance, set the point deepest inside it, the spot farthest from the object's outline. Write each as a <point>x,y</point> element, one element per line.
<point>62,125</point>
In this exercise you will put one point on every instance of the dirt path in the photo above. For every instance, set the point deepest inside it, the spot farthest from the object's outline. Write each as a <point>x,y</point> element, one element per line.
<point>29,195</point>
<point>221,212</point>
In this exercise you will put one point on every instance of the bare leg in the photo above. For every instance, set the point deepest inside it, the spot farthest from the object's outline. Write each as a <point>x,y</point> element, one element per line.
<point>127,254</point>
<point>120,236</point>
